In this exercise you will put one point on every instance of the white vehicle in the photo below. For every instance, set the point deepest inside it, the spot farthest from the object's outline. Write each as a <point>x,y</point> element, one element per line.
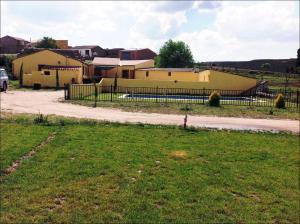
<point>3,79</point>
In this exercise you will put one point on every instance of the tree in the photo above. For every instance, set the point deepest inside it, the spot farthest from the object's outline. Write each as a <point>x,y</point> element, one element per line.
<point>265,67</point>
<point>174,54</point>
<point>47,42</point>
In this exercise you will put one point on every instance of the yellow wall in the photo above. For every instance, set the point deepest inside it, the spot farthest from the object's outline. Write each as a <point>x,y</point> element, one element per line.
<point>46,57</point>
<point>217,80</point>
<point>162,75</point>
<point>214,80</point>
<point>208,79</point>
<point>65,77</point>
<point>147,64</point>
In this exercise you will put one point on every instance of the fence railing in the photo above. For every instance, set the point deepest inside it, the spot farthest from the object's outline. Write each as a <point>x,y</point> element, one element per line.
<point>253,97</point>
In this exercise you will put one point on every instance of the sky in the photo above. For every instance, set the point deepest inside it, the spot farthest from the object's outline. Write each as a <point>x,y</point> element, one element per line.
<point>214,30</point>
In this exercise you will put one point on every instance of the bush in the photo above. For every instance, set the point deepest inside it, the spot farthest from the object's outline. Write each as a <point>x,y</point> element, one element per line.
<point>40,119</point>
<point>36,86</point>
<point>279,101</point>
<point>252,72</point>
<point>214,99</point>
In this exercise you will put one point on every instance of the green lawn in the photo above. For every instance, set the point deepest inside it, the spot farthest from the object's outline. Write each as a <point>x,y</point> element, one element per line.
<point>100,172</point>
<point>18,139</point>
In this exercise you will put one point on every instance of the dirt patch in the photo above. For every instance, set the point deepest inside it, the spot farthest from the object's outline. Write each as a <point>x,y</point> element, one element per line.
<point>18,162</point>
<point>179,155</point>
<point>47,103</point>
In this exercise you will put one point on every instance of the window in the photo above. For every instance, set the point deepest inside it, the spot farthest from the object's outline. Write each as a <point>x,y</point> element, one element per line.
<point>147,73</point>
<point>46,72</point>
<point>125,74</point>
<point>169,73</point>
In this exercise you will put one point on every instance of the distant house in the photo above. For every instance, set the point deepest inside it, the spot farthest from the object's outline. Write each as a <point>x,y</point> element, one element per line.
<point>137,54</point>
<point>62,44</point>
<point>12,45</point>
<point>90,51</point>
<point>113,52</point>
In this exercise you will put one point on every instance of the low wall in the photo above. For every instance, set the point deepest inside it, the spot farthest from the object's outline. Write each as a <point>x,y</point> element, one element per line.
<point>39,77</point>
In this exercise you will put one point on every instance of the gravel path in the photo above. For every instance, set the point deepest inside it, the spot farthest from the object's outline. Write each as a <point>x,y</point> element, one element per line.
<point>47,102</point>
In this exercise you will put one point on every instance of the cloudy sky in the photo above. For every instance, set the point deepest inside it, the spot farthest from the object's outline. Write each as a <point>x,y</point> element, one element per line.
<point>215,31</point>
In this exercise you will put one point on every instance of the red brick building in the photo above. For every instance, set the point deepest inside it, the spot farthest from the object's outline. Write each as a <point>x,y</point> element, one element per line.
<point>12,45</point>
<point>137,54</point>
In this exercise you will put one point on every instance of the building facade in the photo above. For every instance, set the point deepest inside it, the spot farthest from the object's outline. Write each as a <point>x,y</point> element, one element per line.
<point>12,45</point>
<point>137,54</point>
<point>34,63</point>
<point>90,51</point>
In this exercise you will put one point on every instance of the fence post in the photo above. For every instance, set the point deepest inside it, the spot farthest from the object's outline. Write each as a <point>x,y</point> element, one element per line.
<point>297,99</point>
<point>68,91</point>
<point>65,91</point>
<point>111,90</point>
<point>203,93</point>
<point>156,98</point>
<point>96,94</point>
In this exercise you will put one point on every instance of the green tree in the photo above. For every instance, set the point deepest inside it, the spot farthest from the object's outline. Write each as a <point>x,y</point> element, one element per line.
<point>265,67</point>
<point>174,54</point>
<point>47,42</point>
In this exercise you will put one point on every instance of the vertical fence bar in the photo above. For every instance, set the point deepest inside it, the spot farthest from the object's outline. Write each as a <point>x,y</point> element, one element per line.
<point>111,90</point>
<point>96,94</point>
<point>297,99</point>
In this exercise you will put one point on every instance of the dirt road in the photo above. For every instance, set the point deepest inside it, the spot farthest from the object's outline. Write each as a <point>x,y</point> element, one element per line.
<point>47,102</point>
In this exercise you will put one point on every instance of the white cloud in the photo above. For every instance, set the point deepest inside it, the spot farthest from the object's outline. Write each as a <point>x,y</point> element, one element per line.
<point>244,31</point>
<point>241,30</point>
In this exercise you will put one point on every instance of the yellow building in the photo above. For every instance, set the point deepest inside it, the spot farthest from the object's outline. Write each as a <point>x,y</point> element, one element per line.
<point>114,67</point>
<point>54,76</point>
<point>184,78</point>
<point>33,63</point>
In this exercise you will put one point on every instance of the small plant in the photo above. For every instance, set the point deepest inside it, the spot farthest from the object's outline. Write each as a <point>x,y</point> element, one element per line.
<point>62,122</point>
<point>186,108</point>
<point>36,86</point>
<point>40,119</point>
<point>271,111</point>
<point>279,101</point>
<point>214,99</point>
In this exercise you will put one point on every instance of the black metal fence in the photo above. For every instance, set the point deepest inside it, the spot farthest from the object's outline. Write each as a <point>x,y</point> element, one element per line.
<point>253,97</point>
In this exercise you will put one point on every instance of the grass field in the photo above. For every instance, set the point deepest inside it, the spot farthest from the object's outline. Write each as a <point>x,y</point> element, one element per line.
<point>100,172</point>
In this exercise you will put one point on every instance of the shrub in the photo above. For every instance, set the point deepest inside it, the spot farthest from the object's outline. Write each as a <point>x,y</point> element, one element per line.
<point>279,101</point>
<point>252,72</point>
<point>36,86</point>
<point>214,99</point>
<point>40,119</point>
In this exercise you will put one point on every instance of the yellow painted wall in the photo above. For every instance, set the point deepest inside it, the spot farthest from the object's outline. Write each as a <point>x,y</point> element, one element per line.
<point>31,62</point>
<point>208,79</point>
<point>147,64</point>
<point>162,75</point>
<point>65,77</point>
<point>217,80</point>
